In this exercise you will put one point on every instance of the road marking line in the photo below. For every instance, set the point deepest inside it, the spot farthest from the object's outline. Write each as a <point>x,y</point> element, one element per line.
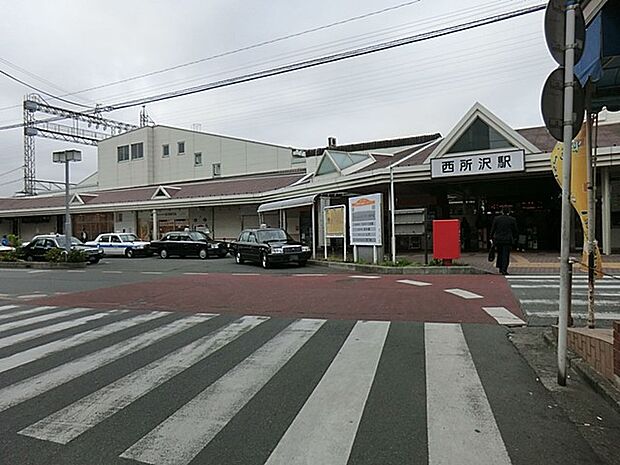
<point>177,440</point>
<point>197,274</point>
<point>245,274</point>
<point>18,312</point>
<point>460,423</point>
<point>74,420</point>
<point>35,353</point>
<point>3,308</point>
<point>31,387</point>
<point>504,316</point>
<point>152,272</point>
<point>463,293</point>
<point>599,315</point>
<point>556,285</point>
<point>38,271</point>
<point>113,272</point>
<point>414,283</point>
<point>579,302</point>
<point>34,333</point>
<point>76,271</point>
<point>309,275</point>
<point>324,430</point>
<point>36,319</point>
<point>364,277</point>
<point>30,296</point>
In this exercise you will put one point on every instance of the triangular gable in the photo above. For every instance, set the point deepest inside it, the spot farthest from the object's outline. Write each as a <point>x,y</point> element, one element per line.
<point>326,166</point>
<point>344,163</point>
<point>479,115</point>
<point>164,192</point>
<point>76,200</point>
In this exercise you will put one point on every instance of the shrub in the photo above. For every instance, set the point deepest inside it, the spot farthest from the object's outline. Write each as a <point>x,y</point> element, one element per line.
<point>14,241</point>
<point>77,256</point>
<point>56,255</point>
<point>10,256</point>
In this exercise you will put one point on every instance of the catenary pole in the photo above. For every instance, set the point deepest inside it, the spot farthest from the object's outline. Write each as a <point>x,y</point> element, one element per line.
<point>565,295</point>
<point>591,221</point>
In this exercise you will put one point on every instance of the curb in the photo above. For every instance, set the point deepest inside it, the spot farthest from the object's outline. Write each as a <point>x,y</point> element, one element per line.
<point>601,385</point>
<point>379,269</point>
<point>42,265</point>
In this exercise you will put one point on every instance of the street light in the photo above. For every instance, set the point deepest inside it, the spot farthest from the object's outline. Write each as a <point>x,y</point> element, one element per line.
<point>66,156</point>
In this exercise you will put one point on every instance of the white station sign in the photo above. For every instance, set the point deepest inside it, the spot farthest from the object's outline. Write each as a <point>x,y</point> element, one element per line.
<point>485,163</point>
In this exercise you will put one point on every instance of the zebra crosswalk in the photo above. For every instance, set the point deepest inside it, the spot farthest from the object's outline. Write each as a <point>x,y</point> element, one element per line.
<point>538,296</point>
<point>118,387</point>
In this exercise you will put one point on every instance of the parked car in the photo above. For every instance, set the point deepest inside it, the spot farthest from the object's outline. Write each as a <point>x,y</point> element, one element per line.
<point>268,246</point>
<point>40,245</point>
<point>121,244</point>
<point>189,243</point>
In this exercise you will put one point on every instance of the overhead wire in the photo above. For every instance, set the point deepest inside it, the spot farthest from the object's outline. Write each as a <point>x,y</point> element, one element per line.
<point>326,59</point>
<point>41,91</point>
<point>376,76</point>
<point>12,171</point>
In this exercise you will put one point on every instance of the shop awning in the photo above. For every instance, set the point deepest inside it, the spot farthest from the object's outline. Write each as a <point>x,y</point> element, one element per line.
<point>286,204</point>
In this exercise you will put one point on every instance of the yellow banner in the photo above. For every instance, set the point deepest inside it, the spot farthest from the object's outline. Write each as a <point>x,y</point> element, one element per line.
<point>579,188</point>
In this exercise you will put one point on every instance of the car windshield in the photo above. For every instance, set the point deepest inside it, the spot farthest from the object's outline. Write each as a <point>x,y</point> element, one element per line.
<point>61,241</point>
<point>128,237</point>
<point>269,235</point>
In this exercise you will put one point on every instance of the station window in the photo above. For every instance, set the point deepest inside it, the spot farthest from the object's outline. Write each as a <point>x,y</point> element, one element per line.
<point>165,150</point>
<point>137,151</point>
<point>122,152</point>
<point>181,147</point>
<point>198,159</point>
<point>217,170</point>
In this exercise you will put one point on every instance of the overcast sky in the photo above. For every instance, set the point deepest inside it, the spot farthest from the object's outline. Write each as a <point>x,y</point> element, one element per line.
<point>66,46</point>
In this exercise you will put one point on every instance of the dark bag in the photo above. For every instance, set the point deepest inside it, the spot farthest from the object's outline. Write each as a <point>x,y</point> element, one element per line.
<point>492,251</point>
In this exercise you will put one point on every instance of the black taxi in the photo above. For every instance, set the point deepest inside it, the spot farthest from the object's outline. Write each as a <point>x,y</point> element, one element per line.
<point>269,246</point>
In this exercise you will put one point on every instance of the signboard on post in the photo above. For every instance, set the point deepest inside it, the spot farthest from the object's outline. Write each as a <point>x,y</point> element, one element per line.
<point>335,221</point>
<point>365,218</point>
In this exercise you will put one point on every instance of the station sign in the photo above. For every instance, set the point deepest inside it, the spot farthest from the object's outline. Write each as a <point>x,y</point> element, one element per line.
<point>485,163</point>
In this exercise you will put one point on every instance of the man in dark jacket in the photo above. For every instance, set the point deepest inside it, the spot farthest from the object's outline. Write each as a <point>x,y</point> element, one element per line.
<point>503,234</point>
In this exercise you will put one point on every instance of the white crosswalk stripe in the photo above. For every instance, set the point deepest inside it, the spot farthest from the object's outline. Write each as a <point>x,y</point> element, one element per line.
<point>463,293</point>
<point>37,319</point>
<point>320,427</point>
<point>18,312</point>
<point>324,429</point>
<point>178,441</point>
<point>77,418</point>
<point>460,420</point>
<point>34,333</point>
<point>38,352</point>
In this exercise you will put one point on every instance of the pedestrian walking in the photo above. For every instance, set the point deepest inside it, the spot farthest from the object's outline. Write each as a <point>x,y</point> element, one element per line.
<point>83,235</point>
<point>504,233</point>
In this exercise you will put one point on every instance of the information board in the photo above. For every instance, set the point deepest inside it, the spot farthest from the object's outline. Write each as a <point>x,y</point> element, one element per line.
<point>334,221</point>
<point>365,220</point>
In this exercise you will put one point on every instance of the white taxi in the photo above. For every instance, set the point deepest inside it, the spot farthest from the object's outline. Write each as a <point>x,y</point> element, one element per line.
<point>122,244</point>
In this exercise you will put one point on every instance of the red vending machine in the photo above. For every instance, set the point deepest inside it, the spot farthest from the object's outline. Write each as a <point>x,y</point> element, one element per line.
<point>446,240</point>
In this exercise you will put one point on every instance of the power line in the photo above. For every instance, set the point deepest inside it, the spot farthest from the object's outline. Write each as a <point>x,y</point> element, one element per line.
<point>12,171</point>
<point>10,76</point>
<point>327,59</point>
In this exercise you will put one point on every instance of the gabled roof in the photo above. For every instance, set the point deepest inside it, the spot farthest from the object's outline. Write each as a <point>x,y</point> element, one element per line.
<point>479,111</point>
<point>81,199</point>
<point>163,192</point>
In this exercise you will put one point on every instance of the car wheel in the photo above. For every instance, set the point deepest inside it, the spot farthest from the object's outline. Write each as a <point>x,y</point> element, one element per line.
<point>163,253</point>
<point>129,253</point>
<point>202,253</point>
<point>29,258</point>
<point>94,260</point>
<point>302,263</point>
<point>264,260</point>
<point>238,258</point>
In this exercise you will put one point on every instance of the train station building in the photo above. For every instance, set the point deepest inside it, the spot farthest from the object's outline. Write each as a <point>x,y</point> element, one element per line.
<point>156,178</point>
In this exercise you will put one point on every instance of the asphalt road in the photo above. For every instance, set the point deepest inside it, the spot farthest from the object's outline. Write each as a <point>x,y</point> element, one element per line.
<point>84,386</point>
<point>221,286</point>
